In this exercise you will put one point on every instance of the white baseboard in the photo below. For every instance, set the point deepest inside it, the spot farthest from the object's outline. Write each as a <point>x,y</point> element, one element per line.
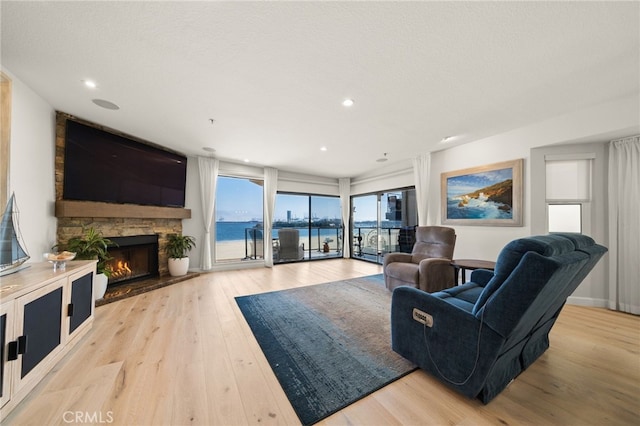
<point>232,266</point>
<point>588,301</point>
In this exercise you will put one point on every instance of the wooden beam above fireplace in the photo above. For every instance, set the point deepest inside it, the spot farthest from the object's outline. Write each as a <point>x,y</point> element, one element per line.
<point>66,208</point>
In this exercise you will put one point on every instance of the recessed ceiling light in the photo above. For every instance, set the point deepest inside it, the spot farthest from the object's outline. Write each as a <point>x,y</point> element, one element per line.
<point>209,149</point>
<point>90,84</point>
<point>383,159</point>
<point>348,102</point>
<point>105,104</point>
<point>246,160</point>
<point>323,148</point>
<point>447,139</point>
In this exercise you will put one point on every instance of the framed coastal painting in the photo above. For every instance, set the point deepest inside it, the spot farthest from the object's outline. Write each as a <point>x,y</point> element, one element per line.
<point>489,195</point>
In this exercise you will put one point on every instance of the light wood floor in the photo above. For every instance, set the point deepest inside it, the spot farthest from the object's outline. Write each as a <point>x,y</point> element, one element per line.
<point>183,355</point>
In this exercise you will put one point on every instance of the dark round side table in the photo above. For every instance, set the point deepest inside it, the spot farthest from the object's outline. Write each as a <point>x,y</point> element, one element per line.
<point>470,264</point>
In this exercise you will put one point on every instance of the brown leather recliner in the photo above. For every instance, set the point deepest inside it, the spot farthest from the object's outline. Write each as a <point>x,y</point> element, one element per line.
<point>428,267</point>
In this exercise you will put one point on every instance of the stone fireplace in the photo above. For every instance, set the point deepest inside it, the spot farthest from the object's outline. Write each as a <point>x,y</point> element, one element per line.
<point>72,223</point>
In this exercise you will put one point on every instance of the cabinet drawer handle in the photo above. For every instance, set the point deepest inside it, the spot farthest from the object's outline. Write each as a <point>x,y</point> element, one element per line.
<point>18,347</point>
<point>12,351</point>
<point>70,310</point>
<point>22,345</point>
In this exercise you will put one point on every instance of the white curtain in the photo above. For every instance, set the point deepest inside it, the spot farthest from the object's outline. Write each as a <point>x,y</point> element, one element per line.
<point>421,173</point>
<point>624,224</point>
<point>345,194</point>
<point>208,168</point>
<point>269,194</point>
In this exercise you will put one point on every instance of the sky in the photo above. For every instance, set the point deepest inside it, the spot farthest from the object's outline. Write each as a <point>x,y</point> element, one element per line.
<point>240,200</point>
<point>465,184</point>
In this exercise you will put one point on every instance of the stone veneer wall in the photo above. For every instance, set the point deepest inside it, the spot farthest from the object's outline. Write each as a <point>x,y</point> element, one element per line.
<point>110,227</point>
<point>122,227</point>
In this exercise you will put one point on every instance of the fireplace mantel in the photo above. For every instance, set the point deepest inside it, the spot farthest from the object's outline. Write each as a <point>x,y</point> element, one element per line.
<point>66,208</point>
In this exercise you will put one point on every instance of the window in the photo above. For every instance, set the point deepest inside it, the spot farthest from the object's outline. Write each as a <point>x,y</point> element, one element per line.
<point>239,216</point>
<point>568,191</point>
<point>568,180</point>
<point>382,223</point>
<point>364,215</point>
<point>565,218</point>
<point>326,226</point>
<point>317,219</point>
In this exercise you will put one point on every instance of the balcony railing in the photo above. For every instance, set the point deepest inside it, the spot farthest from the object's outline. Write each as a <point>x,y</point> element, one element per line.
<point>315,239</point>
<point>367,241</point>
<point>374,241</point>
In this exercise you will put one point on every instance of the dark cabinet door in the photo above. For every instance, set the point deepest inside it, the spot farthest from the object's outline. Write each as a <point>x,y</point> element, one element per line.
<point>81,301</point>
<point>41,328</point>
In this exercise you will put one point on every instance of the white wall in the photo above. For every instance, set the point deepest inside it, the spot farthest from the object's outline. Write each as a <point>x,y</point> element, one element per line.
<point>485,242</point>
<point>31,167</point>
<point>32,172</point>
<point>598,123</point>
<point>395,176</point>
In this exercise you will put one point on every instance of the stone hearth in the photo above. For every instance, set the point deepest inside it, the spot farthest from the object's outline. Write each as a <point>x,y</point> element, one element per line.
<point>125,290</point>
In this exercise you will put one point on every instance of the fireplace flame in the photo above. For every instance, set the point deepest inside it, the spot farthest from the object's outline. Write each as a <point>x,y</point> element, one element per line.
<point>120,270</point>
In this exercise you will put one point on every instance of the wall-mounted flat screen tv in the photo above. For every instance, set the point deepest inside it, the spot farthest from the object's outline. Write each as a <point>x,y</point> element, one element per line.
<point>102,166</point>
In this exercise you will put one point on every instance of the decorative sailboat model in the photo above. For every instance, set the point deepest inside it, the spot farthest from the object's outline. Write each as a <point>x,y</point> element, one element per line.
<point>12,250</point>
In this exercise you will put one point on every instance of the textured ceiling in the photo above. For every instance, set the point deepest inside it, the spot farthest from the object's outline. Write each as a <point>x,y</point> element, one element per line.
<point>273,74</point>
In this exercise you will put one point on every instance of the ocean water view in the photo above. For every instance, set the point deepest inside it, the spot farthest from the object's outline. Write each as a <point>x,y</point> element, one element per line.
<point>236,231</point>
<point>476,209</point>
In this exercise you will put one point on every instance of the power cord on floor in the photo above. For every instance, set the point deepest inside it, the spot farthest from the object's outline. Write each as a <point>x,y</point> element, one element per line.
<point>475,364</point>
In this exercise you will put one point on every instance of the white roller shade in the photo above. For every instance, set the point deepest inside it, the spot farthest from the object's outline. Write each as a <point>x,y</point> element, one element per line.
<point>568,180</point>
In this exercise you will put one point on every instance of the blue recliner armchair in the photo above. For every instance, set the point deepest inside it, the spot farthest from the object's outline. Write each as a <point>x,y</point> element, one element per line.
<point>479,336</point>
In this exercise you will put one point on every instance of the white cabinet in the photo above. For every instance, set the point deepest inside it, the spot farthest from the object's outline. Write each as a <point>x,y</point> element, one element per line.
<point>43,314</point>
<point>6,335</point>
<point>39,334</point>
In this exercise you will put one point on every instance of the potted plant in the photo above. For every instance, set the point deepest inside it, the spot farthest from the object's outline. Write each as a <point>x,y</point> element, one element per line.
<point>93,246</point>
<point>176,249</point>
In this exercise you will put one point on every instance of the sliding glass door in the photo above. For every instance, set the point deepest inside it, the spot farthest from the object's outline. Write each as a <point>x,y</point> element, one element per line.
<point>306,227</point>
<point>383,222</point>
<point>325,231</point>
<point>365,219</point>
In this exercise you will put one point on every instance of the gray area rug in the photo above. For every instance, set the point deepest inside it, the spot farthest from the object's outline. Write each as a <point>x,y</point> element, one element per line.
<point>329,345</point>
